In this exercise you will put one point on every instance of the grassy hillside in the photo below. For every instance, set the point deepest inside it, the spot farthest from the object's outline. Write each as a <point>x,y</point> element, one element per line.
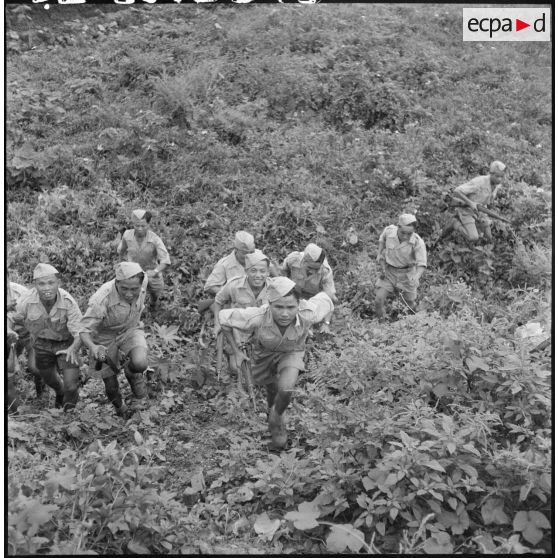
<point>298,123</point>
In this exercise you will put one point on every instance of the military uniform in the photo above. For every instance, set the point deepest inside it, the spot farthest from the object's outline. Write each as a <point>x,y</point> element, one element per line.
<point>273,350</point>
<point>49,333</point>
<point>309,282</point>
<point>148,253</point>
<point>402,259</point>
<point>115,324</point>
<point>225,269</point>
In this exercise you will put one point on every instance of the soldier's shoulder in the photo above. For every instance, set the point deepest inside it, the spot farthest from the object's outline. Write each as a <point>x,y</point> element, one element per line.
<point>67,296</point>
<point>100,296</point>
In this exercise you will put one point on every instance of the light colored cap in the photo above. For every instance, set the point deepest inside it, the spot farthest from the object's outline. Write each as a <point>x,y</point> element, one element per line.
<point>244,241</point>
<point>278,287</point>
<point>497,166</point>
<point>139,213</point>
<point>44,270</point>
<point>255,257</point>
<point>313,252</point>
<point>406,219</point>
<point>125,270</point>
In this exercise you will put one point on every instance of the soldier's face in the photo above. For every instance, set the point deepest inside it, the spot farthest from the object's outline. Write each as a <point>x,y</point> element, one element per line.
<point>240,254</point>
<point>140,226</point>
<point>405,232</point>
<point>284,310</point>
<point>47,288</point>
<point>496,177</point>
<point>257,274</point>
<point>129,289</point>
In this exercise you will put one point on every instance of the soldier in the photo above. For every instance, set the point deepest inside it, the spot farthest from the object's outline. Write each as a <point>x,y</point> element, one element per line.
<point>14,343</point>
<point>312,274</point>
<point>52,318</point>
<point>232,265</point>
<point>111,327</point>
<point>480,190</point>
<point>402,259</point>
<point>243,292</point>
<point>143,246</point>
<point>278,331</point>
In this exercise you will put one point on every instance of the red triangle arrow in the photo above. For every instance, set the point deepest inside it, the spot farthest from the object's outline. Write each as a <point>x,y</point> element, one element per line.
<point>519,25</point>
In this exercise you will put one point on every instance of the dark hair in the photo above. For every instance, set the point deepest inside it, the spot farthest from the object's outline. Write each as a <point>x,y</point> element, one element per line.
<point>295,293</point>
<point>147,216</point>
<point>321,257</point>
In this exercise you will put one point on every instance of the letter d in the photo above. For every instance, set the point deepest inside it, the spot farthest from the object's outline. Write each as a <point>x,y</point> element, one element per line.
<point>542,20</point>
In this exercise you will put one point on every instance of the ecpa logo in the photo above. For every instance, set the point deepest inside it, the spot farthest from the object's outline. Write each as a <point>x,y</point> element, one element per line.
<point>506,24</point>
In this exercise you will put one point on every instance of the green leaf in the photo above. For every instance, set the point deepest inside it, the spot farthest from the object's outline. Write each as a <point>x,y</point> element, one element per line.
<point>520,521</point>
<point>266,526</point>
<point>342,537</point>
<point>492,511</point>
<point>368,483</point>
<point>305,517</point>
<point>37,515</point>
<point>435,465</point>
<point>438,543</point>
<point>137,548</point>
<point>475,363</point>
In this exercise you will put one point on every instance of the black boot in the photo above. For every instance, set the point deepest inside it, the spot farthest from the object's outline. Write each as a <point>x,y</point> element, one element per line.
<point>59,402</point>
<point>39,385</point>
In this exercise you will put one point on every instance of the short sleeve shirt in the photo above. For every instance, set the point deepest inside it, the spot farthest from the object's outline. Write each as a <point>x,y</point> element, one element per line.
<point>225,269</point>
<point>108,315</point>
<point>403,254</point>
<point>238,293</point>
<point>265,332</point>
<point>308,282</point>
<point>478,190</point>
<point>148,253</point>
<point>62,323</point>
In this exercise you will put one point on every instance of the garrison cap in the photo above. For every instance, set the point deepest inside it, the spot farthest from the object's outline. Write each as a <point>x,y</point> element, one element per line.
<point>139,213</point>
<point>44,270</point>
<point>497,166</point>
<point>244,241</point>
<point>126,270</point>
<point>406,219</point>
<point>253,258</point>
<point>279,287</point>
<point>312,252</point>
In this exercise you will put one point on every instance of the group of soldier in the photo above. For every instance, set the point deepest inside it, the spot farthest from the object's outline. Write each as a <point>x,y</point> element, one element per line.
<point>263,310</point>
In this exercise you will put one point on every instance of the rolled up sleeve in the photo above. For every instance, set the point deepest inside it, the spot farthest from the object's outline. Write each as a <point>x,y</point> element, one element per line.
<point>318,307</point>
<point>75,318</point>
<point>328,286</point>
<point>92,319</point>
<point>217,278</point>
<point>246,319</point>
<point>224,295</point>
<point>467,188</point>
<point>162,252</point>
<point>420,253</point>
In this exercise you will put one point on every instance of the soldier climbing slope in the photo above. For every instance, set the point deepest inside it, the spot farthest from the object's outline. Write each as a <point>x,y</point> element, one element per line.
<point>52,318</point>
<point>402,260</point>
<point>231,265</point>
<point>312,274</point>
<point>143,246</point>
<point>470,199</point>
<point>278,331</point>
<point>243,292</point>
<point>111,328</point>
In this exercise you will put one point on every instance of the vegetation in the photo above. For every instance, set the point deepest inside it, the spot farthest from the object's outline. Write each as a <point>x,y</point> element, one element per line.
<point>431,433</point>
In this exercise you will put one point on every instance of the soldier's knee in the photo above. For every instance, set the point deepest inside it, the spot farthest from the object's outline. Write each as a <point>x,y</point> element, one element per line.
<point>138,363</point>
